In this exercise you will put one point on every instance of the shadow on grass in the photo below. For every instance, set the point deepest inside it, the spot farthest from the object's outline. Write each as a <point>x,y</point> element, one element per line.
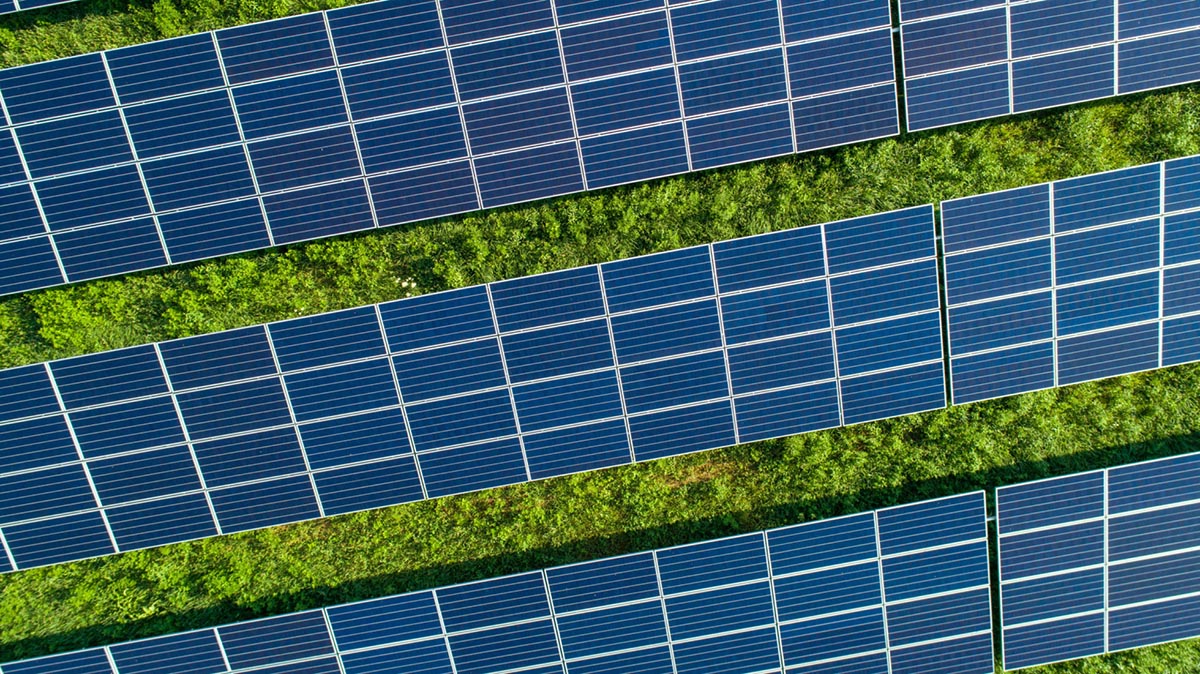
<point>599,547</point>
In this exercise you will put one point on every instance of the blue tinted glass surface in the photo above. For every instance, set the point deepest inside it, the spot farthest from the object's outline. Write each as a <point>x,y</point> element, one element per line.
<point>216,230</point>
<point>570,11</point>
<point>25,391</point>
<point>775,312</point>
<point>341,390</point>
<point>165,68</point>
<point>889,344</point>
<point>547,298</point>
<point>920,9</point>
<point>880,293</point>
<point>358,438</point>
<point>108,376</point>
<point>465,469</point>
<point>265,504</point>
<point>74,144</point>
<point>628,100</point>
<point>1002,373</point>
<point>182,124</point>
<point>524,175</point>
<point>957,97</point>
<point>1053,641</point>
<point>437,318</point>
<point>35,443</point>
<point>728,560</point>
<point>507,66</point>
<point>456,421</point>
<point>272,48</point>
<point>249,457</point>
<point>1044,27</point>
<point>75,200</point>
<point>424,193</point>
<point>1109,303</point>
<point>1153,483</point>
<point>60,87</point>
<point>927,49</point>
<point>606,581</point>
<point>751,262</point>
<point>733,82</point>
<point>557,351</point>
<point>812,545</point>
<point>187,653</point>
<point>724,26</point>
<point>787,412</point>
<point>1182,184</point>
<point>1063,78</point>
<point>999,217</point>
<point>411,140</point>
<point>560,402</point>
<point>993,272</point>
<point>667,331</point>
<point>324,339</point>
<point>264,641</point>
<point>806,20</point>
<point>674,382</point>
<point>398,85</point>
<point>191,180</point>
<point>220,357</point>
<point>139,476</point>
<point>84,662</point>
<point>54,491</point>
<point>384,29</point>
<point>492,602</point>
<point>610,47</point>
<point>841,63</point>
<point>1074,497</point>
<point>673,276</point>
<point>740,652</point>
<point>999,323</point>
<point>525,119</point>
<point>58,540</point>
<point>1106,197</point>
<point>679,431</point>
<point>577,449</point>
<point>293,161</point>
<point>319,211</point>
<point>1144,17</point>
<point>597,632</point>
<point>894,393</point>
<point>634,155</point>
<point>29,264</point>
<point>373,485</point>
<point>735,137</point>
<point>233,408</point>
<point>126,426</point>
<point>937,522</point>
<point>875,240</point>
<point>381,621</point>
<point>1160,61</point>
<point>468,20</point>
<point>151,523</point>
<point>292,104</point>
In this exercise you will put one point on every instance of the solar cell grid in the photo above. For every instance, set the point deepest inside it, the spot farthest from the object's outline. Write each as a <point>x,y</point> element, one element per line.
<point>967,61</point>
<point>418,109</point>
<point>808,597</point>
<point>520,379</point>
<point>1098,562</point>
<point>1071,281</point>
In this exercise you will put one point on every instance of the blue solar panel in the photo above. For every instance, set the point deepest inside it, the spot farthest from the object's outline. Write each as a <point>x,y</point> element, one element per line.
<point>723,605</point>
<point>592,367</point>
<point>292,95</point>
<point>1096,562</point>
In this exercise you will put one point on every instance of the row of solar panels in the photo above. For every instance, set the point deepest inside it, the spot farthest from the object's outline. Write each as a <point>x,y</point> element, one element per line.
<point>693,349</point>
<point>1089,563</point>
<point>902,590</point>
<point>402,110</point>
<point>966,60</point>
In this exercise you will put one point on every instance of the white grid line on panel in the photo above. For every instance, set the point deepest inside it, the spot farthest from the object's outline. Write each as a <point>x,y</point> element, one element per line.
<point>662,600</point>
<point>221,647</point>
<point>562,656</point>
<point>437,606</point>
<point>1162,253</point>
<point>999,582</point>
<point>287,398</point>
<point>771,586</point>
<point>712,260</point>
<point>1105,558</point>
<point>337,653</point>
<point>111,661</point>
<point>837,372</point>
<point>137,163</point>
<point>787,75</point>
<point>412,444</point>
<point>1053,283</point>
<point>37,200</point>
<point>1052,619</point>
<point>237,122</point>
<point>562,61</point>
<point>1034,577</point>
<point>606,607</point>
<point>687,143</point>
<point>187,438</point>
<point>87,472</point>
<point>612,342</point>
<point>458,103</point>
<point>1008,33</point>
<point>887,639</point>
<point>726,633</point>
<point>1116,89</point>
<point>512,398</point>
<point>362,167</point>
<point>12,561</point>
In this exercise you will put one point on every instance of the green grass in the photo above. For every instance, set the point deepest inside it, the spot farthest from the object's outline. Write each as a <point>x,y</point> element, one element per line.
<point>607,512</point>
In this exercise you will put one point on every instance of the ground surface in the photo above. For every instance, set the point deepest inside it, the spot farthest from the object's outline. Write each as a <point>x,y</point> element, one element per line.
<point>602,513</point>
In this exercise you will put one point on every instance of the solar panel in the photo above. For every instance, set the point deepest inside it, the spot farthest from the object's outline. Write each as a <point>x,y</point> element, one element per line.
<point>972,60</point>
<point>905,587</point>
<point>1071,281</point>
<point>1099,562</point>
<point>522,379</point>
<point>404,110</point>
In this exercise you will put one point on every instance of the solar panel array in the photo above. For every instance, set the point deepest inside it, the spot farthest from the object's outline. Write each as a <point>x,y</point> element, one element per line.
<point>1075,280</point>
<point>1099,562</point>
<point>901,590</point>
<point>10,6</point>
<point>403,110</point>
<point>966,60</point>
<point>638,359</point>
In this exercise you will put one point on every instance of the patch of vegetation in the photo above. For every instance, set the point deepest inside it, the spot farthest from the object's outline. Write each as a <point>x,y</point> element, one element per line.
<point>606,512</point>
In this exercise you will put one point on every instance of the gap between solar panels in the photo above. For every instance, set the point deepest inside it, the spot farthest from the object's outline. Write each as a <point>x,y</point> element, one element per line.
<point>632,360</point>
<point>902,590</point>
<point>404,110</point>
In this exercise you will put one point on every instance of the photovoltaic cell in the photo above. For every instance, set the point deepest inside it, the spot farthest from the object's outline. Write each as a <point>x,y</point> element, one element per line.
<point>723,605</point>
<point>361,117</point>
